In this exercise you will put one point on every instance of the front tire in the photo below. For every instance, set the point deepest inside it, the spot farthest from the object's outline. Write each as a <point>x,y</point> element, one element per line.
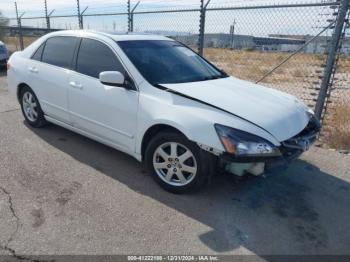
<point>31,109</point>
<point>177,164</point>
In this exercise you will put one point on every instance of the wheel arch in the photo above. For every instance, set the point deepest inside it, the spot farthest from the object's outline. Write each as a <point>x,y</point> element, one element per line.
<point>152,131</point>
<point>20,87</point>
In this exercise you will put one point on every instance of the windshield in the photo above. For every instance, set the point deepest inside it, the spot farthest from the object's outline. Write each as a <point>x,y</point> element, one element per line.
<point>168,62</point>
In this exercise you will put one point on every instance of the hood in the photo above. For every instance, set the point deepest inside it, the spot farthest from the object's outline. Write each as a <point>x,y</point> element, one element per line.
<point>280,114</point>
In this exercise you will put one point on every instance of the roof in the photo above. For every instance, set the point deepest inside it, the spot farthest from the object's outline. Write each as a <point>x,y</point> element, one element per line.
<point>117,36</point>
<point>125,37</point>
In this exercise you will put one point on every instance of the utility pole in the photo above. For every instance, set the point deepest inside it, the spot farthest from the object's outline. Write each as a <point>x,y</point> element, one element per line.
<point>19,24</point>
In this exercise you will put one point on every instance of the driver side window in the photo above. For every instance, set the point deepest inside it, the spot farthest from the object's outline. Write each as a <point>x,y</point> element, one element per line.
<point>95,57</point>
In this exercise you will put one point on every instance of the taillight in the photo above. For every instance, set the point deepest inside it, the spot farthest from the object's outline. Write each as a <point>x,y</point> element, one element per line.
<point>8,66</point>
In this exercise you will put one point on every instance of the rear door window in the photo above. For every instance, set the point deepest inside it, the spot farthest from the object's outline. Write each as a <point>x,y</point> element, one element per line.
<point>59,51</point>
<point>38,53</point>
<point>95,57</point>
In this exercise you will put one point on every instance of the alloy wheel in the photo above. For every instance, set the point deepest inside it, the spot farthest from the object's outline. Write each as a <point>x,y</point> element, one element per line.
<point>30,106</point>
<point>175,164</point>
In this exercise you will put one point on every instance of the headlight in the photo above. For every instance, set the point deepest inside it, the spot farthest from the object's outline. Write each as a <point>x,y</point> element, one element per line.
<point>241,143</point>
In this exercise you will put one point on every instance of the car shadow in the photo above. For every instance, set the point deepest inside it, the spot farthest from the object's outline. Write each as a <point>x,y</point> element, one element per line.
<point>300,211</point>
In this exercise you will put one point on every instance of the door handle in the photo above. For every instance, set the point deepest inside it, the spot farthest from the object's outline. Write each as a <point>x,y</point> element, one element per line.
<point>33,69</point>
<point>76,85</point>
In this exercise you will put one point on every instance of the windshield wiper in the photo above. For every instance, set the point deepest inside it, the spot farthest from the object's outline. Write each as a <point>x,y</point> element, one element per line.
<point>213,77</point>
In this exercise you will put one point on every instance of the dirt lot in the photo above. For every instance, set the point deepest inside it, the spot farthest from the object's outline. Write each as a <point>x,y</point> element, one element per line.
<point>61,193</point>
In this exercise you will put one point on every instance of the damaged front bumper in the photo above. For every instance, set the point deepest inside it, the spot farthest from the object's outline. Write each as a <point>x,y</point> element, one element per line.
<point>257,165</point>
<point>290,150</point>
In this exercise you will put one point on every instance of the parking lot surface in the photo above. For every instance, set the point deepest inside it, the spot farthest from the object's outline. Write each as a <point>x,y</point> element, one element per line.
<point>61,193</point>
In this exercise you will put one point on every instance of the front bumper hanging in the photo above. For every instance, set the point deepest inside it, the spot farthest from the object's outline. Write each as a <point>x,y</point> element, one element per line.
<point>290,150</point>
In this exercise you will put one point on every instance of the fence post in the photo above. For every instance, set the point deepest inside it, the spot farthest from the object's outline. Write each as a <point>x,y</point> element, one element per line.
<point>132,17</point>
<point>19,25</point>
<point>47,16</point>
<point>232,34</point>
<point>79,17</point>
<point>203,10</point>
<point>82,17</point>
<point>48,22</point>
<point>331,57</point>
<point>129,16</point>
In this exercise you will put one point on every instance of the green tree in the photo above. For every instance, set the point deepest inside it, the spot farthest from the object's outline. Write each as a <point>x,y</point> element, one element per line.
<point>3,22</point>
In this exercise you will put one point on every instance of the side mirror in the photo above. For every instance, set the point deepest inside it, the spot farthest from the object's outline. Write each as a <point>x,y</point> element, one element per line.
<point>112,78</point>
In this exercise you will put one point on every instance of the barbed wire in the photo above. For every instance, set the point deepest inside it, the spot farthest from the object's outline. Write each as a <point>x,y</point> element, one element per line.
<point>118,6</point>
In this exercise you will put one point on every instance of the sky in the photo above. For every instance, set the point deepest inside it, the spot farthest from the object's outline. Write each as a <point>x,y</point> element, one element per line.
<point>260,22</point>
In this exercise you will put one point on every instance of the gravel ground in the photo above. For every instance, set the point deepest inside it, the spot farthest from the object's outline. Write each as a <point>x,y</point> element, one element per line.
<point>61,193</point>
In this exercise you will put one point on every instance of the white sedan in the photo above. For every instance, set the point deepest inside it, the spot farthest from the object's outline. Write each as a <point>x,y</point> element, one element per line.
<point>157,100</point>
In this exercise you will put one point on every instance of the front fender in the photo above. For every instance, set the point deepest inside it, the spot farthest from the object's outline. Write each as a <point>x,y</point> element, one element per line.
<point>207,136</point>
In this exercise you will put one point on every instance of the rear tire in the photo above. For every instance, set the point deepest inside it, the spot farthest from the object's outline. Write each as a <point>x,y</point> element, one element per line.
<point>177,164</point>
<point>31,109</point>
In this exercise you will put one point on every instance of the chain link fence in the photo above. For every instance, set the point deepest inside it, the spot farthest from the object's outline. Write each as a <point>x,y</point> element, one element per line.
<point>250,42</point>
<point>179,25</point>
<point>117,22</point>
<point>336,114</point>
<point>294,47</point>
